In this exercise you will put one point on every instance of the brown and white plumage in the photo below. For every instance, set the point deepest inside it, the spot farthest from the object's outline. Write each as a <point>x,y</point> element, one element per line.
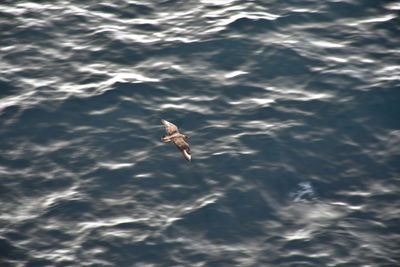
<point>178,139</point>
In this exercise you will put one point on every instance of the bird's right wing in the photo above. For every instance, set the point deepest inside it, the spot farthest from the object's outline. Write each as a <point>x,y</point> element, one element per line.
<point>183,147</point>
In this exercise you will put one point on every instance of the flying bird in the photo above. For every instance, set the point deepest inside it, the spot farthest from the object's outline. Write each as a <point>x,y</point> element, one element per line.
<point>178,139</point>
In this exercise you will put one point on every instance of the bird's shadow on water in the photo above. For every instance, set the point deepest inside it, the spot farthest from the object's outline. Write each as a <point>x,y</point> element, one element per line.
<point>239,210</point>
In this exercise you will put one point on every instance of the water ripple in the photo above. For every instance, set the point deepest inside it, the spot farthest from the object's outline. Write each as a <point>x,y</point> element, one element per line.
<point>292,112</point>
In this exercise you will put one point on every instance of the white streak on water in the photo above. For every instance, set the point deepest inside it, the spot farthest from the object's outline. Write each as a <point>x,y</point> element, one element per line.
<point>115,166</point>
<point>375,19</point>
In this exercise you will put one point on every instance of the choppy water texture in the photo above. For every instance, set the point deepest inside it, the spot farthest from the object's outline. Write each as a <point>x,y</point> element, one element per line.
<point>292,108</point>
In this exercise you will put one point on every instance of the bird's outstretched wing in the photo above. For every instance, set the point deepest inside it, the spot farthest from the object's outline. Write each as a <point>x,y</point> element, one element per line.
<point>183,147</point>
<point>169,127</point>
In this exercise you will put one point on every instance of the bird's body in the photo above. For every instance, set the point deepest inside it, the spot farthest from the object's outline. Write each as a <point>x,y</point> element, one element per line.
<point>178,139</point>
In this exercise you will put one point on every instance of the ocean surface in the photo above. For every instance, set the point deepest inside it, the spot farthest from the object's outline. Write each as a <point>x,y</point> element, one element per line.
<point>293,113</point>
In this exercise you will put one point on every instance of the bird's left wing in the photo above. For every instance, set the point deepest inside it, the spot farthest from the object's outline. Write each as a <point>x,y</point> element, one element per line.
<point>169,127</point>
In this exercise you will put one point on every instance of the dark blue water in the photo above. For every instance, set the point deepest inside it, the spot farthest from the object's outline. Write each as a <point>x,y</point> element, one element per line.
<point>293,113</point>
